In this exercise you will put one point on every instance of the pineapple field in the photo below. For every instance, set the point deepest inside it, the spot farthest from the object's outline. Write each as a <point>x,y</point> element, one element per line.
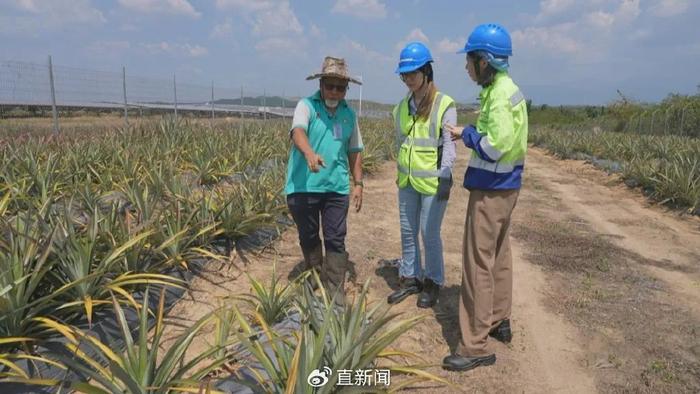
<point>159,258</point>
<point>100,229</point>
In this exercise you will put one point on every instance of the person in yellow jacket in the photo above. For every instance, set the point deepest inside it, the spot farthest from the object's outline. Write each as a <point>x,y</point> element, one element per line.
<point>493,178</point>
<point>424,176</point>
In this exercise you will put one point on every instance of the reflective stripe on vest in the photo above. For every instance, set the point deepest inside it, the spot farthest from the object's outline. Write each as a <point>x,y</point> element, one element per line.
<point>432,141</point>
<point>499,168</point>
<point>419,173</point>
<point>516,98</point>
<point>419,145</point>
<point>397,128</point>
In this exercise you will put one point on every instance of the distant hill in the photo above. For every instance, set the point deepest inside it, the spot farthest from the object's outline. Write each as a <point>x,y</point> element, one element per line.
<point>259,101</point>
<point>371,105</point>
<point>290,102</point>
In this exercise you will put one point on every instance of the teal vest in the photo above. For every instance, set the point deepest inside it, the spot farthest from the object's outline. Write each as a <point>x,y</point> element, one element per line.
<point>329,137</point>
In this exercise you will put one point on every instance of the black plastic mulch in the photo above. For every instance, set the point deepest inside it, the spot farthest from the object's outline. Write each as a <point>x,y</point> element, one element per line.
<point>106,328</point>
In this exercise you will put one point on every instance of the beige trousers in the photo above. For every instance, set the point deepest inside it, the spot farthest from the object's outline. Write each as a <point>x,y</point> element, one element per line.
<point>487,268</point>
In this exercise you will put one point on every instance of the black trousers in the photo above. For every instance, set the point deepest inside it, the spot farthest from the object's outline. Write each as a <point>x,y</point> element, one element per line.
<point>331,208</point>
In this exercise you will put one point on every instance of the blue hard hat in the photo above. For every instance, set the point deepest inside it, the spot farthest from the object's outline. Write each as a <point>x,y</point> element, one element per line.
<point>413,56</point>
<point>490,37</point>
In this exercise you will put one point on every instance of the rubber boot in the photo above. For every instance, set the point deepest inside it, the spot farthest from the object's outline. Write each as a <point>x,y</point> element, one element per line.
<point>313,257</point>
<point>313,260</point>
<point>333,275</point>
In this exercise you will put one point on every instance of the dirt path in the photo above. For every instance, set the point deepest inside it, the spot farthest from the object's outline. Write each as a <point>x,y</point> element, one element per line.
<point>606,288</point>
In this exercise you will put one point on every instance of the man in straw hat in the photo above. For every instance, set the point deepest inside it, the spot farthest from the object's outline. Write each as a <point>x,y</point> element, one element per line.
<point>327,147</point>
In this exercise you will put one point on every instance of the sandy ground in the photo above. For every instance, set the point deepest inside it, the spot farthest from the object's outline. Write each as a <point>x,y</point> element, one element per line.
<point>606,285</point>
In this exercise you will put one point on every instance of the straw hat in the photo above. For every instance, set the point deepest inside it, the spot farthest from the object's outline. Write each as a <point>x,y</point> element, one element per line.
<point>334,67</point>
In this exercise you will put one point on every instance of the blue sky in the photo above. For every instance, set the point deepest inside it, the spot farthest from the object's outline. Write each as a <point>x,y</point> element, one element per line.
<point>565,51</point>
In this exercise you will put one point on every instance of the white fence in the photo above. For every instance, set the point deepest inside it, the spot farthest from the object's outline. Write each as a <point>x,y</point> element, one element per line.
<point>31,84</point>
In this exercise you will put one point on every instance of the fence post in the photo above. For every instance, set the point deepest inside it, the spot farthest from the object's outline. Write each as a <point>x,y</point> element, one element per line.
<point>53,99</point>
<point>682,131</point>
<point>126,111</point>
<point>212,104</point>
<point>175,95</point>
<point>360,106</point>
<point>639,124</point>
<point>629,123</point>
<point>242,109</point>
<point>264,102</point>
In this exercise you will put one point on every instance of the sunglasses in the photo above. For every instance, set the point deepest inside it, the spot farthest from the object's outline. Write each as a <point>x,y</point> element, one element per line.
<point>337,88</point>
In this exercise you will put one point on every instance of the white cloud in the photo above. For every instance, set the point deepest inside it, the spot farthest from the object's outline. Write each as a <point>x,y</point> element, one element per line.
<point>27,5</point>
<point>222,30</point>
<point>415,35</point>
<point>586,32</point>
<point>273,23</point>
<point>448,46</point>
<point>555,38</point>
<point>622,11</point>
<point>273,46</point>
<point>178,7</point>
<point>41,15</point>
<point>553,7</point>
<point>315,31</point>
<point>196,50</point>
<point>667,8</point>
<point>277,21</point>
<point>628,11</point>
<point>367,53</point>
<point>175,49</point>
<point>245,5</point>
<point>600,19</point>
<point>364,9</point>
<point>63,11</point>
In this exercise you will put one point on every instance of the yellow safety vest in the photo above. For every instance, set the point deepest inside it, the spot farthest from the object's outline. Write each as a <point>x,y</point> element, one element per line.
<point>418,141</point>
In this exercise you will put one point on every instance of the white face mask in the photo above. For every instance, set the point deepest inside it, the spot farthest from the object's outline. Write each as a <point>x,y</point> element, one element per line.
<point>331,103</point>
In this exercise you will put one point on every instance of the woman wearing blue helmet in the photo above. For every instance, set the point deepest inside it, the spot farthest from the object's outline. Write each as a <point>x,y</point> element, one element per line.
<point>424,176</point>
<point>493,178</point>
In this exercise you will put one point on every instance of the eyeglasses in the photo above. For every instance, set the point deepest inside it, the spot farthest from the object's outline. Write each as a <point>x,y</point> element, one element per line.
<point>409,75</point>
<point>337,88</point>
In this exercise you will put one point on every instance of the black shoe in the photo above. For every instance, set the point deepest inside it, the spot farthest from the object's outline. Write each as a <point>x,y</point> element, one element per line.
<point>502,332</point>
<point>408,286</point>
<point>429,296</point>
<point>455,362</point>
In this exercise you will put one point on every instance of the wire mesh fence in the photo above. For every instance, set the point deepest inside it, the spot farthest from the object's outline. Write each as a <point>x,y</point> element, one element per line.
<point>47,85</point>
<point>678,119</point>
